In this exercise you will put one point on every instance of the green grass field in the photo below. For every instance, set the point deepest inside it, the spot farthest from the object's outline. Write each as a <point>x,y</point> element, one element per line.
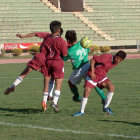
<point>21,117</point>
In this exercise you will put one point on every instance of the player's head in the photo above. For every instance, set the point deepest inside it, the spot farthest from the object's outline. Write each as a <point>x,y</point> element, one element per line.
<point>119,56</point>
<point>71,36</point>
<point>55,26</point>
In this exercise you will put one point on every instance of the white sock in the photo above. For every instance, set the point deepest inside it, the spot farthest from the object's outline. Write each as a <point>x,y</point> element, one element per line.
<point>51,87</point>
<point>45,96</point>
<point>108,99</point>
<point>83,104</point>
<point>17,81</point>
<point>56,96</point>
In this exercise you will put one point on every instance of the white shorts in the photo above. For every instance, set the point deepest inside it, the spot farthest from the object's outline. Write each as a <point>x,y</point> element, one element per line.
<point>79,74</point>
<point>91,83</point>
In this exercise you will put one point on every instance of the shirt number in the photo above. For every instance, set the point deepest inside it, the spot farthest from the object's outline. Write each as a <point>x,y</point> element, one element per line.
<point>81,53</point>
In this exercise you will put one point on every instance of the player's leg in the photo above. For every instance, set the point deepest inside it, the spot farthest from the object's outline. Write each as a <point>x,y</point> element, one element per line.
<point>101,93</point>
<point>75,78</point>
<point>110,87</point>
<point>35,64</point>
<point>45,93</point>
<point>101,84</point>
<point>75,92</point>
<point>57,72</point>
<point>89,84</point>
<point>51,88</point>
<point>87,91</point>
<point>57,92</point>
<point>85,98</point>
<point>110,93</point>
<point>18,80</point>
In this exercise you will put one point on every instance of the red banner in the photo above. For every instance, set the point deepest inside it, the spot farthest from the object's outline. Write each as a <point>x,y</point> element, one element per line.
<point>10,46</point>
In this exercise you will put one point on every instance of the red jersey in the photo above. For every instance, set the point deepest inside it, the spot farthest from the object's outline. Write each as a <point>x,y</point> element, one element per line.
<point>103,64</point>
<point>52,46</point>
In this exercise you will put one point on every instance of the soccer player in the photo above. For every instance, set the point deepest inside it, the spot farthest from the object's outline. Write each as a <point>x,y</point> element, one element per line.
<point>52,47</point>
<point>56,48</point>
<point>100,65</point>
<point>79,60</point>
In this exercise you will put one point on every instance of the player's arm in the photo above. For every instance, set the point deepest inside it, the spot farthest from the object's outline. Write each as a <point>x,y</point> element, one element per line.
<point>92,63</point>
<point>27,35</point>
<point>64,49</point>
<point>34,34</point>
<point>67,57</point>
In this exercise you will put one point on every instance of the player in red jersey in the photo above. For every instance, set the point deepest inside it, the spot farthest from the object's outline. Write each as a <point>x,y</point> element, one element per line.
<point>100,65</point>
<point>56,48</point>
<point>38,62</point>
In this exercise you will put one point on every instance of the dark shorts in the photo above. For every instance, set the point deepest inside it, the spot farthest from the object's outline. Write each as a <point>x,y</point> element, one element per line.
<point>54,69</point>
<point>38,61</point>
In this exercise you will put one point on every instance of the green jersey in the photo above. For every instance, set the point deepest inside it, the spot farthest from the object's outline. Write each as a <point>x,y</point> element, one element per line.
<point>77,55</point>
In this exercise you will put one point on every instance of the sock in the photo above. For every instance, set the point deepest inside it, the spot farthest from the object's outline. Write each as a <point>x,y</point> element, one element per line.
<point>51,87</point>
<point>100,92</point>
<point>108,99</point>
<point>17,81</point>
<point>56,96</point>
<point>83,104</point>
<point>75,91</point>
<point>45,96</point>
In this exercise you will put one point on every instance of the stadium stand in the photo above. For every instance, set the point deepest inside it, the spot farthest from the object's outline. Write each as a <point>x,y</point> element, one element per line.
<point>119,19</point>
<point>102,21</point>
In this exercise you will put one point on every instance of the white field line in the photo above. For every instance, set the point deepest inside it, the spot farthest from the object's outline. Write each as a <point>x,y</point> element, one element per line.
<point>70,131</point>
<point>38,78</point>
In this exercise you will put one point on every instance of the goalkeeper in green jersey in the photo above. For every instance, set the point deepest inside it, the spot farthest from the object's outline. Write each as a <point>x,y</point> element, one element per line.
<point>79,59</point>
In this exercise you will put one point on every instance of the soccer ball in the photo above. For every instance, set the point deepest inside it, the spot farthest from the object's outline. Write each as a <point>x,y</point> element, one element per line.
<point>85,42</point>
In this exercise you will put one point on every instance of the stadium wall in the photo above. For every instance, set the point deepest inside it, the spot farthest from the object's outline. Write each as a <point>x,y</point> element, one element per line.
<point>71,5</point>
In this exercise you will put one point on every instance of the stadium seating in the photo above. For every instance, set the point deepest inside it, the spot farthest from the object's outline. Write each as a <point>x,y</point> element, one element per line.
<point>119,19</point>
<point>25,17</point>
<point>107,20</point>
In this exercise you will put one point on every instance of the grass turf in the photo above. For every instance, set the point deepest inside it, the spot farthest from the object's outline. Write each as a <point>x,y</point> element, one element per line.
<point>21,117</point>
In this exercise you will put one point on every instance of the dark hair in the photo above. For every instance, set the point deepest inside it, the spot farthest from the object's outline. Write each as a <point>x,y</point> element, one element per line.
<point>71,36</point>
<point>61,31</point>
<point>55,26</point>
<point>121,54</point>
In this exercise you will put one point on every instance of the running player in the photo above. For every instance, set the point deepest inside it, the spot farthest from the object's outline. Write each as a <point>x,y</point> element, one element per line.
<point>100,65</point>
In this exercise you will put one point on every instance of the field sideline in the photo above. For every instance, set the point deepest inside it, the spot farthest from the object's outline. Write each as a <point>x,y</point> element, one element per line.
<point>21,117</point>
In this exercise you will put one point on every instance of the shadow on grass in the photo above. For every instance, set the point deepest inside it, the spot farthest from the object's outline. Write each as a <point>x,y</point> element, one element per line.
<point>24,111</point>
<point>131,123</point>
